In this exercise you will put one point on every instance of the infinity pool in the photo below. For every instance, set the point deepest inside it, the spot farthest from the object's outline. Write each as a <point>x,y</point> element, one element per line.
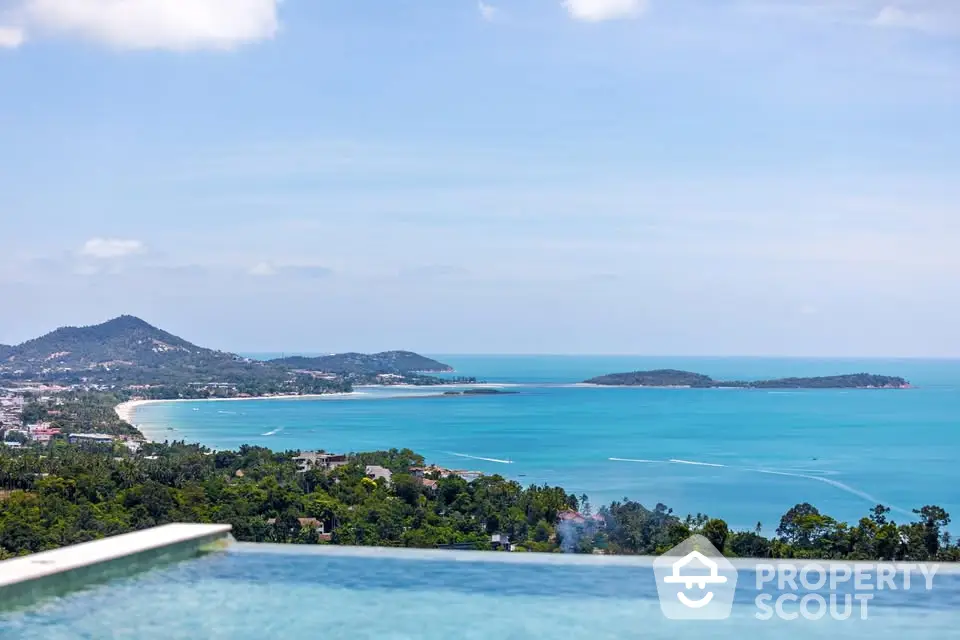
<point>259,591</point>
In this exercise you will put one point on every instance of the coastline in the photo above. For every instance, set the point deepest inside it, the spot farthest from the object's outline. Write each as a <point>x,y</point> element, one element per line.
<point>127,411</point>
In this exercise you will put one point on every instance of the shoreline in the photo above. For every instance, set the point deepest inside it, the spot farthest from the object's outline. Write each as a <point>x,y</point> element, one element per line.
<point>127,411</point>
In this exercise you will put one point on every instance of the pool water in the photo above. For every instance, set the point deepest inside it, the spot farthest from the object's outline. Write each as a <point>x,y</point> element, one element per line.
<point>259,591</point>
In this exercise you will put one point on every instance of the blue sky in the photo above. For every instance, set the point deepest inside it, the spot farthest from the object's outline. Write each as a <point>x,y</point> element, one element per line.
<point>536,176</point>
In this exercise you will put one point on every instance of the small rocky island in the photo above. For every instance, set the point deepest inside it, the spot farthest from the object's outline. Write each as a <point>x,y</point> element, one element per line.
<point>688,379</point>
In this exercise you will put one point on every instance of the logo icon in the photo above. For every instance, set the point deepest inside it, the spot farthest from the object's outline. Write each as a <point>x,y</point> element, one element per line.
<point>695,581</point>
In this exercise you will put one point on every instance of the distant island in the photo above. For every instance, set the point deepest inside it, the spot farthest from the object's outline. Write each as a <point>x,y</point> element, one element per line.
<point>689,379</point>
<point>386,362</point>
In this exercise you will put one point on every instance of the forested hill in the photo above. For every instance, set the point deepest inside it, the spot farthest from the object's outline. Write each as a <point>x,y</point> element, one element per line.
<point>655,378</point>
<point>123,340</point>
<point>675,378</point>
<point>125,349</point>
<point>395,362</point>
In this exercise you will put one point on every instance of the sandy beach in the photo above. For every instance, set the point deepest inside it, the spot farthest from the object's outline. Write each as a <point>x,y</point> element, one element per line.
<point>158,433</point>
<point>127,411</point>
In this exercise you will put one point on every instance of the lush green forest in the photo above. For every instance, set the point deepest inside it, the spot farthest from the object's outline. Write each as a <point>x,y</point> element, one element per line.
<point>65,494</point>
<point>676,378</point>
<point>395,362</point>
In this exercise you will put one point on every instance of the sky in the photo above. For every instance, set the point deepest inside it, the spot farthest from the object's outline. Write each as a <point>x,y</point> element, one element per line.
<point>664,177</point>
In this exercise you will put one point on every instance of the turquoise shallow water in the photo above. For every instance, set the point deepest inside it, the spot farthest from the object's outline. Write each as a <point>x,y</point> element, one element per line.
<point>257,591</point>
<point>742,455</point>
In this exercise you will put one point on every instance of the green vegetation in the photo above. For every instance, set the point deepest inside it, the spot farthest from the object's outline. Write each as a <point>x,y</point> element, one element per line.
<point>128,352</point>
<point>656,378</point>
<point>80,412</point>
<point>675,378</point>
<point>395,362</point>
<point>122,342</point>
<point>64,494</point>
<point>803,533</point>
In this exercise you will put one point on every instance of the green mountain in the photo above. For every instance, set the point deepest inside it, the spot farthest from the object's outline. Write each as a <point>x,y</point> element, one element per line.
<point>127,351</point>
<point>124,350</point>
<point>675,378</point>
<point>395,362</point>
<point>122,341</point>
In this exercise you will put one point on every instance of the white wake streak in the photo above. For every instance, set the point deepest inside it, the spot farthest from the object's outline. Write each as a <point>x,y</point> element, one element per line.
<point>699,464</point>
<point>463,455</point>
<point>833,483</point>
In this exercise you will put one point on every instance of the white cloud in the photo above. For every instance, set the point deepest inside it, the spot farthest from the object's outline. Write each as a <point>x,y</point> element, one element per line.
<point>601,10</point>
<point>930,18</point>
<point>86,270</point>
<point>107,248</point>
<point>178,25</point>
<point>305,271</point>
<point>263,269</point>
<point>11,37</point>
<point>487,11</point>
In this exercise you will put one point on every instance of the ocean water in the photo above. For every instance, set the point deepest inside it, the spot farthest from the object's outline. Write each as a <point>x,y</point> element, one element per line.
<point>742,455</point>
<point>258,591</point>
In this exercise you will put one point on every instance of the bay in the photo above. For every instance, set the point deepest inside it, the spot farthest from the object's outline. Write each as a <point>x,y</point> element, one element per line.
<point>742,455</point>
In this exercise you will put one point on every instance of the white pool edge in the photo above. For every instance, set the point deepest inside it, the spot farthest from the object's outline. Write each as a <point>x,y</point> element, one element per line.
<point>39,566</point>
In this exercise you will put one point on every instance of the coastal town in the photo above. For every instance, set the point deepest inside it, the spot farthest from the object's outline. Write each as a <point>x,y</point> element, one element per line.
<point>44,414</point>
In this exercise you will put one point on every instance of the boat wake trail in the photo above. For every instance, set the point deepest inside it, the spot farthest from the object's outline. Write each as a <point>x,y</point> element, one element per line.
<point>833,483</point>
<point>698,464</point>
<point>272,433</point>
<point>806,476</point>
<point>463,455</point>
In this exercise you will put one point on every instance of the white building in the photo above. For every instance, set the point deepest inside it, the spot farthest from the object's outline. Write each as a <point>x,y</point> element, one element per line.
<point>102,438</point>
<point>375,472</point>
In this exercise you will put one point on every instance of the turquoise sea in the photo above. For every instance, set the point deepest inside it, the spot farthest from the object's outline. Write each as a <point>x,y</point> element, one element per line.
<point>742,455</point>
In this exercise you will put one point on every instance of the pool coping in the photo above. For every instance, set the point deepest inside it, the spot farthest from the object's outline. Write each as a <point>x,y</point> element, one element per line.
<point>31,577</point>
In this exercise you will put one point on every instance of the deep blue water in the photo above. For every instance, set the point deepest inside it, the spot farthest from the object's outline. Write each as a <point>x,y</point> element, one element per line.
<point>743,455</point>
<point>256,591</point>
